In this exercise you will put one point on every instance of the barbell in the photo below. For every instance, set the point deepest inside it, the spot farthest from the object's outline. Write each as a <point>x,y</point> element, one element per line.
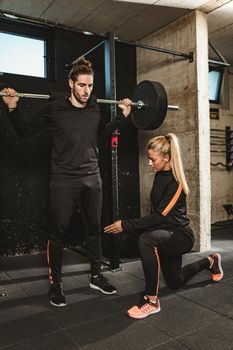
<point>150,108</point>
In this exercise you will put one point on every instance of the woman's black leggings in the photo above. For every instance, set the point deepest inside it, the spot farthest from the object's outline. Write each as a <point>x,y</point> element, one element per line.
<point>164,249</point>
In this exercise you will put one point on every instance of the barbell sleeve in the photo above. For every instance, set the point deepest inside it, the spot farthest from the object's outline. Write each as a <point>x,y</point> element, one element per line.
<point>173,107</point>
<point>138,104</point>
<point>27,95</point>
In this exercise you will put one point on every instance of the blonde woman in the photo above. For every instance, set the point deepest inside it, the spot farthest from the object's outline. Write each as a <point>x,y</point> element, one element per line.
<point>167,234</point>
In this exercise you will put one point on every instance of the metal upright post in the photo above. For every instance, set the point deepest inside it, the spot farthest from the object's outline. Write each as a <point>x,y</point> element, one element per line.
<point>110,91</point>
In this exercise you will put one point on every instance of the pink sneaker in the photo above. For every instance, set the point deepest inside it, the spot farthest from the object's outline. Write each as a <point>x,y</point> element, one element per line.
<point>216,268</point>
<point>145,308</point>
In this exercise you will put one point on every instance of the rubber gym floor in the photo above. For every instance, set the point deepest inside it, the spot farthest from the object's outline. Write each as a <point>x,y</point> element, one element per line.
<point>198,316</point>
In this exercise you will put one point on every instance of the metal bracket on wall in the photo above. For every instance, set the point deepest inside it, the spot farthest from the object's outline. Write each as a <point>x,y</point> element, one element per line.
<point>228,208</point>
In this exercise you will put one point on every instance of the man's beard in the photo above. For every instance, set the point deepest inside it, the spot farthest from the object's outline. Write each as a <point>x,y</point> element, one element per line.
<point>77,98</point>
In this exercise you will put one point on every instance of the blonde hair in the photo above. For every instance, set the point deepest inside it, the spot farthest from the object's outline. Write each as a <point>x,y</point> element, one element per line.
<point>169,145</point>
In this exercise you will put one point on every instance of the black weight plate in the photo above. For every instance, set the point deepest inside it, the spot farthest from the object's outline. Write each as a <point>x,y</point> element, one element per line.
<point>154,95</point>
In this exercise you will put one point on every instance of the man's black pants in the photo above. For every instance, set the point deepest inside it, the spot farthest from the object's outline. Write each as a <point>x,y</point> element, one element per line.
<point>65,198</point>
<point>164,249</point>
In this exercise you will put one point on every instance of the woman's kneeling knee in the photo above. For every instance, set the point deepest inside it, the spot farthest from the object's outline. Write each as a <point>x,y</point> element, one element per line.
<point>176,284</point>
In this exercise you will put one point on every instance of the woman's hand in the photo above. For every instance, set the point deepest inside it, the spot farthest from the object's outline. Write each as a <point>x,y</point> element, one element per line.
<point>116,227</point>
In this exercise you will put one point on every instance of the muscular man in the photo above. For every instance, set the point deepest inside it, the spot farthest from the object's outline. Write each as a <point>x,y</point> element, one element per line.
<point>75,124</point>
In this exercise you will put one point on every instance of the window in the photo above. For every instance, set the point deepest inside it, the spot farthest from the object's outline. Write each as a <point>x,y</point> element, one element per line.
<point>26,51</point>
<point>22,55</point>
<point>215,84</point>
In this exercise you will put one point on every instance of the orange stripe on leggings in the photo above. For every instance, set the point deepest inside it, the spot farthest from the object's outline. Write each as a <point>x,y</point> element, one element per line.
<point>173,201</point>
<point>50,272</point>
<point>158,263</point>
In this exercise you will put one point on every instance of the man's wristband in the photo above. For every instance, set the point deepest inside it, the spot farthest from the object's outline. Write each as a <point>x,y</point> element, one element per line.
<point>11,109</point>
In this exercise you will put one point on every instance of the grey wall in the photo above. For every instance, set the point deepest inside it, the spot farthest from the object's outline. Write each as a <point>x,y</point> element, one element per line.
<point>186,84</point>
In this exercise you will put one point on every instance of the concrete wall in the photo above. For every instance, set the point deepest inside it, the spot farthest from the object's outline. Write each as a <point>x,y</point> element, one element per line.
<point>186,84</point>
<point>221,180</point>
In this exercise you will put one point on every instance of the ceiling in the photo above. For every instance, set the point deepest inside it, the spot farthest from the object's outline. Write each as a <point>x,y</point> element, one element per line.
<point>129,20</point>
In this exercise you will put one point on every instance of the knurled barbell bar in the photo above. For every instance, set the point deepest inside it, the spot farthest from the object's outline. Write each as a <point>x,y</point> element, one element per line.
<point>150,109</point>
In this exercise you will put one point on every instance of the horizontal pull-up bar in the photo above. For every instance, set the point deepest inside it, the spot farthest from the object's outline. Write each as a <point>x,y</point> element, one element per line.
<point>137,44</point>
<point>159,49</point>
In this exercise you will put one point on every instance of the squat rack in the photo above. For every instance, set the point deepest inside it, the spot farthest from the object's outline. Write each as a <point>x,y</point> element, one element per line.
<point>109,43</point>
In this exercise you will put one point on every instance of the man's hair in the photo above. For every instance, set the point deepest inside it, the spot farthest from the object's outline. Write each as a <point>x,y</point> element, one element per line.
<point>81,66</point>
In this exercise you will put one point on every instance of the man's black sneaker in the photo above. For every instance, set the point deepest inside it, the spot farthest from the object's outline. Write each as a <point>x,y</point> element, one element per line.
<point>56,296</point>
<point>101,283</point>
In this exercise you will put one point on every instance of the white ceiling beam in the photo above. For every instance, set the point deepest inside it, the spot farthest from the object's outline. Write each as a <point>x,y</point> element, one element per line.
<point>185,4</point>
<point>213,5</point>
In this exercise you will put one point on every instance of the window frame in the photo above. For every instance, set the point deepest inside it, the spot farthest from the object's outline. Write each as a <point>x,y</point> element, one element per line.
<point>32,32</point>
<point>220,85</point>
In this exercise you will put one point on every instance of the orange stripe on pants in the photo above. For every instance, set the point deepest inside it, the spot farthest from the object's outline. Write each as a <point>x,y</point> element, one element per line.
<point>158,263</point>
<point>48,259</point>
